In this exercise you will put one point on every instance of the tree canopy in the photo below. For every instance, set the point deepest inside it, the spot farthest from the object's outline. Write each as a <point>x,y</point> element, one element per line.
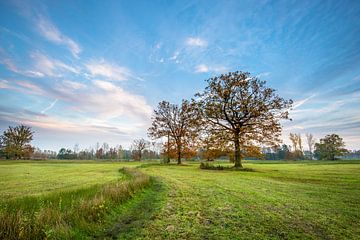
<point>15,142</point>
<point>241,110</point>
<point>178,122</point>
<point>330,147</point>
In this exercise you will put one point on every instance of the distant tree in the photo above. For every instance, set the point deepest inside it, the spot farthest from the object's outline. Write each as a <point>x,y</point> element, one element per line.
<point>297,152</point>
<point>99,154</point>
<point>299,141</point>
<point>177,122</point>
<point>293,138</point>
<point>76,148</point>
<point>242,109</point>
<point>66,154</point>
<point>15,142</point>
<point>330,147</point>
<point>310,142</point>
<point>62,153</point>
<point>105,148</point>
<point>120,152</point>
<point>283,152</point>
<point>138,146</point>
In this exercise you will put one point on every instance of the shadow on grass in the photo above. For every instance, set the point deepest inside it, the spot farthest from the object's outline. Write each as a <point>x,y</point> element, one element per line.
<point>128,221</point>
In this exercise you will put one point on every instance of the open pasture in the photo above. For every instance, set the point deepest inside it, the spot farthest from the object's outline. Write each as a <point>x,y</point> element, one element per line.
<point>279,200</point>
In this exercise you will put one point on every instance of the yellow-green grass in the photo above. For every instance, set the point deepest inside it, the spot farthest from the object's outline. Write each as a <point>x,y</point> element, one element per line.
<point>25,178</point>
<point>69,210</point>
<point>301,200</point>
<point>279,200</point>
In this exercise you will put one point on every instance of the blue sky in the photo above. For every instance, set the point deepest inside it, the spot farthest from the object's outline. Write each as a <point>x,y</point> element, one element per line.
<point>92,71</point>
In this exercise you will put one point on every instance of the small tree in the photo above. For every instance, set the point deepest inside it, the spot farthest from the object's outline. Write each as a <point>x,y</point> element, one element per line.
<point>310,142</point>
<point>243,110</point>
<point>330,147</point>
<point>294,140</point>
<point>15,142</point>
<point>177,122</point>
<point>138,146</point>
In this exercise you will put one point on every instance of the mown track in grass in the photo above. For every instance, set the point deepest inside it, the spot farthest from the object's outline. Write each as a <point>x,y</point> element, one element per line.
<point>128,220</point>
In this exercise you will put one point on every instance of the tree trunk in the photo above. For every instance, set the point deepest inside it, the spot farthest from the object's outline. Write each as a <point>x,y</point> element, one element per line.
<point>237,151</point>
<point>179,153</point>
<point>168,149</point>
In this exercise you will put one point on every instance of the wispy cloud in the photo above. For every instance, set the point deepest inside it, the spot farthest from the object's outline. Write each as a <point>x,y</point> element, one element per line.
<point>102,100</point>
<point>301,102</point>
<point>203,68</point>
<point>102,68</point>
<point>196,42</point>
<point>48,30</point>
<point>73,85</point>
<point>52,104</point>
<point>31,87</point>
<point>4,84</point>
<point>11,66</point>
<point>110,95</point>
<point>48,66</point>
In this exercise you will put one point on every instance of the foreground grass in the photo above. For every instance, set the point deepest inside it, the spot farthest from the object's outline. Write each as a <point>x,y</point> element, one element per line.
<point>279,200</point>
<point>68,214</point>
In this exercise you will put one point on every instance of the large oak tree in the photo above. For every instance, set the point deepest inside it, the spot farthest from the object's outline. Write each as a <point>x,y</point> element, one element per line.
<point>176,122</point>
<point>240,109</point>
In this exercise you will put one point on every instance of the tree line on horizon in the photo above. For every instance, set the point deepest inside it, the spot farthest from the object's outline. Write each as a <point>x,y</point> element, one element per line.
<point>236,115</point>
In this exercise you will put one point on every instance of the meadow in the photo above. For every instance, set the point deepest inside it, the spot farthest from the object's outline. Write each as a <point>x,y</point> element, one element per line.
<point>82,200</point>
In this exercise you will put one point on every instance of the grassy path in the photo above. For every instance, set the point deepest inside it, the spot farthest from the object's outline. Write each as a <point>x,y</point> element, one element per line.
<point>129,219</point>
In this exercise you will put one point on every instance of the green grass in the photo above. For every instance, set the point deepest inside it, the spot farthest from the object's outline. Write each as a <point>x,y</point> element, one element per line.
<point>19,178</point>
<point>67,212</point>
<point>279,200</point>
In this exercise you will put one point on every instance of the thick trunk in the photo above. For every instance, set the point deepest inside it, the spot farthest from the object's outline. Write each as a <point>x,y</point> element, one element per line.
<point>237,151</point>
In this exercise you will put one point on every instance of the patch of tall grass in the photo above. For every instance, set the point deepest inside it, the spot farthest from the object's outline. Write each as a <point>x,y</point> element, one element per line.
<point>69,214</point>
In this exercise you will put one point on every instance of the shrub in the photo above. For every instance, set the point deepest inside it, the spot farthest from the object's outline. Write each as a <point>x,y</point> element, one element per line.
<point>211,166</point>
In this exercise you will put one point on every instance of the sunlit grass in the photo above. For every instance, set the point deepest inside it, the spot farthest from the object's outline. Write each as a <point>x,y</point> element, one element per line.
<point>36,178</point>
<point>278,200</point>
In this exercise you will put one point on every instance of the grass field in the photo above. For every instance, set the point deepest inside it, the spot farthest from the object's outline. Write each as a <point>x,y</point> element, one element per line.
<point>279,200</point>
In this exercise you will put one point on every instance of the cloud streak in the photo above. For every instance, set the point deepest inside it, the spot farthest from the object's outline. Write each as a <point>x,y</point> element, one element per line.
<point>49,107</point>
<point>49,31</point>
<point>102,68</point>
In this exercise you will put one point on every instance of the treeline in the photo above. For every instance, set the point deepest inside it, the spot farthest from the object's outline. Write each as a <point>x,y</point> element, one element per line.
<point>98,152</point>
<point>330,147</point>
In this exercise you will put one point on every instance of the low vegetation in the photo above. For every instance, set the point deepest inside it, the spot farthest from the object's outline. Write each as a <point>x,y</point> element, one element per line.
<point>279,200</point>
<point>67,214</point>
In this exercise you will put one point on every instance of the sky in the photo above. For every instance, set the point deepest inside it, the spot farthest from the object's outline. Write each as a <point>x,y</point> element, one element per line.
<point>82,72</point>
